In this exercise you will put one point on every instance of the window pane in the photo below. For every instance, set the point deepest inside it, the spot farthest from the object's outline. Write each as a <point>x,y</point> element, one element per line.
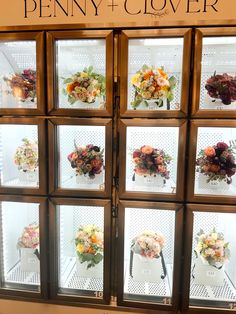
<point>81,157</point>
<point>18,74</point>
<point>81,69</point>
<point>19,158</point>
<point>20,246</point>
<point>80,236</point>
<point>155,73</point>
<point>213,275</point>
<point>149,255</point>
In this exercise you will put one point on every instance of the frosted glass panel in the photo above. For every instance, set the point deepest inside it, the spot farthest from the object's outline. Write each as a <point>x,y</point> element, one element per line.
<point>18,74</point>
<point>81,152</point>
<point>151,159</point>
<point>215,162</point>
<point>20,245</point>
<point>149,88</point>
<point>148,254</point>
<point>81,68</point>
<point>81,248</point>
<point>213,272</point>
<point>19,158</point>
<point>218,80</point>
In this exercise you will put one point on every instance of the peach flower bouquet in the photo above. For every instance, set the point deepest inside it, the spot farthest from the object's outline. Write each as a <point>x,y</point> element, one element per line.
<point>217,162</point>
<point>149,161</point>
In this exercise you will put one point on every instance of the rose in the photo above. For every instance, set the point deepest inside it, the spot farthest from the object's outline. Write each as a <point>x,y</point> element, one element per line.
<point>209,151</point>
<point>159,160</point>
<point>136,153</point>
<point>96,163</point>
<point>214,168</point>
<point>146,149</point>
<point>222,145</point>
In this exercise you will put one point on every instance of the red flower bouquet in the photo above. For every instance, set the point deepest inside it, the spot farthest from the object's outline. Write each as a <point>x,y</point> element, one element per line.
<point>222,87</point>
<point>217,162</point>
<point>149,161</point>
<point>87,160</point>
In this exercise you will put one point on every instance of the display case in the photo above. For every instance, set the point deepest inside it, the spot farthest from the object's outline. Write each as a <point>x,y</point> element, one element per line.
<point>214,79</point>
<point>80,155</point>
<point>212,161</point>
<point>81,249</point>
<point>21,73</point>
<point>211,257</point>
<point>149,254</point>
<point>81,69</point>
<point>23,169</point>
<point>23,252</point>
<point>154,72</point>
<point>152,153</point>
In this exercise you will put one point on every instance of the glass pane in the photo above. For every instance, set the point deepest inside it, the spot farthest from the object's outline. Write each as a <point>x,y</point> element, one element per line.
<point>81,246</point>
<point>18,74</point>
<point>81,69</point>
<point>19,161</point>
<point>151,159</point>
<point>149,255</point>
<point>215,163</point>
<point>20,268</point>
<point>218,80</point>
<point>81,157</point>
<point>155,73</point>
<point>213,276</point>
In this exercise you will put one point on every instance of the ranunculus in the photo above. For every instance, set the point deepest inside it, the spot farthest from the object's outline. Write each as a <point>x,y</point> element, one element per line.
<point>222,145</point>
<point>136,160</point>
<point>136,153</point>
<point>209,151</point>
<point>214,168</point>
<point>96,163</point>
<point>147,149</point>
<point>159,160</point>
<point>161,169</point>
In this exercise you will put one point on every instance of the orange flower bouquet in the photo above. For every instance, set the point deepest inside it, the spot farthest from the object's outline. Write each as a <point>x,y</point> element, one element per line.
<point>89,245</point>
<point>152,83</point>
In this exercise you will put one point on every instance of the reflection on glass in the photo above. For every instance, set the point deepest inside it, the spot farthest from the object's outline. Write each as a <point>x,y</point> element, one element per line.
<point>81,157</point>
<point>155,73</point>
<point>18,74</point>
<point>213,275</point>
<point>19,158</point>
<point>151,159</point>
<point>20,268</point>
<point>81,68</point>
<point>148,254</point>
<point>218,80</point>
<point>81,248</point>
<point>215,162</point>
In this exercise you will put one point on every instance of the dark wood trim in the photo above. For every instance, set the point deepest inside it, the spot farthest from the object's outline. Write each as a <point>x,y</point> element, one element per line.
<point>204,198</point>
<point>177,253</point>
<point>155,33</point>
<point>43,292</point>
<point>156,196</point>
<point>40,69</point>
<point>54,189</point>
<point>52,37</point>
<point>40,123</point>
<point>54,223</point>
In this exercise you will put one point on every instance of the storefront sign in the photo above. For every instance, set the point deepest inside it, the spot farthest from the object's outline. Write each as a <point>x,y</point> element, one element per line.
<point>141,12</point>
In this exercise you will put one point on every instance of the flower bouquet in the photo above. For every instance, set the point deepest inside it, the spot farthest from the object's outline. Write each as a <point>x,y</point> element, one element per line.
<point>146,259</point>
<point>216,164</point>
<point>28,244</point>
<point>84,87</point>
<point>153,85</point>
<point>26,159</point>
<point>223,87</point>
<point>23,85</point>
<point>151,163</point>
<point>88,162</point>
<point>211,252</point>
<point>89,249</point>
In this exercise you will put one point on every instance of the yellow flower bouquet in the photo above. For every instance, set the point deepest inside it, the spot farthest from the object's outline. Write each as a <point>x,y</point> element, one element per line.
<point>152,83</point>
<point>89,245</point>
